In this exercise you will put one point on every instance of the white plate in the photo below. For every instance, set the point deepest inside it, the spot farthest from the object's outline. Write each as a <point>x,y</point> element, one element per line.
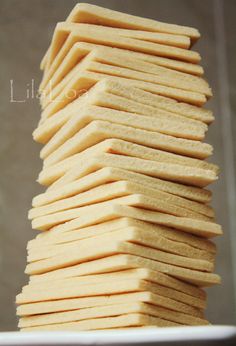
<point>184,336</point>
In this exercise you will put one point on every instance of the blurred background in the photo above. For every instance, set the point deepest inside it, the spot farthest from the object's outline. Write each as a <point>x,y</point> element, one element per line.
<point>26,30</point>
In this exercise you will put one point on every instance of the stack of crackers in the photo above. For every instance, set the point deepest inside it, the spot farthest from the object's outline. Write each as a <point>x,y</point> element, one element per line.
<point>125,219</point>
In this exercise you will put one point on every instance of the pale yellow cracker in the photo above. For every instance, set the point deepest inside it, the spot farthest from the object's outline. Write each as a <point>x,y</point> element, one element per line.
<point>184,292</point>
<point>88,250</point>
<point>157,121</point>
<point>124,262</point>
<point>116,86</point>
<point>123,321</point>
<point>119,309</point>
<point>139,200</point>
<point>109,174</point>
<point>50,174</point>
<point>123,88</point>
<point>122,65</point>
<point>94,72</point>
<point>80,49</point>
<point>45,240</point>
<point>118,189</point>
<point>99,130</point>
<point>174,68</point>
<point>163,296</point>
<point>87,13</point>
<point>108,37</point>
<point>131,234</point>
<point>94,215</point>
<point>139,272</point>
<point>81,303</point>
<point>167,171</point>
<point>82,290</point>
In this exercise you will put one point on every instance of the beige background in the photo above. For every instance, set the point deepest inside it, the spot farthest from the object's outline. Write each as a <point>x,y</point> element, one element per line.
<point>26,29</point>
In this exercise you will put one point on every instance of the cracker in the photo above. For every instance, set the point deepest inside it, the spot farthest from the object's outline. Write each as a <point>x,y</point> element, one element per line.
<point>79,50</point>
<point>167,171</point>
<point>108,174</point>
<point>162,75</point>
<point>139,272</point>
<point>123,321</point>
<point>119,87</point>
<point>99,96</point>
<point>84,13</point>
<point>45,240</point>
<point>87,79</point>
<point>122,38</point>
<point>124,89</point>
<point>139,200</point>
<point>98,312</point>
<point>82,303</point>
<point>124,262</point>
<point>98,289</point>
<point>131,234</point>
<point>125,210</point>
<point>86,251</point>
<point>158,123</point>
<point>117,189</point>
<point>93,14</point>
<point>193,295</point>
<point>94,215</point>
<point>98,130</point>
<point>82,290</point>
<point>109,37</point>
<point>122,62</point>
<point>69,89</point>
<point>50,174</point>
<point>72,82</point>
<point>156,292</point>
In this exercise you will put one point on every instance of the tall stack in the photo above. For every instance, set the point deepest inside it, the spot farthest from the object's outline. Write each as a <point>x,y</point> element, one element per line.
<point>126,220</point>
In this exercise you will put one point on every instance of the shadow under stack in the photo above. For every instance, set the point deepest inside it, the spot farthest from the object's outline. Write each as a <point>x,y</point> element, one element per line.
<point>125,218</point>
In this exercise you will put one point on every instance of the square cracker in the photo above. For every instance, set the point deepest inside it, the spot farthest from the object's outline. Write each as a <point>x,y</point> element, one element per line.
<point>87,13</point>
<point>50,174</point>
<point>162,298</point>
<point>45,239</point>
<point>116,37</point>
<point>95,215</point>
<point>157,123</point>
<point>92,72</point>
<point>126,241</point>
<point>174,172</point>
<point>144,273</point>
<point>109,311</point>
<point>133,234</point>
<point>80,49</point>
<point>117,87</point>
<point>82,303</point>
<point>109,174</point>
<point>126,65</point>
<point>121,188</point>
<point>124,262</point>
<point>99,130</point>
<point>109,37</point>
<point>193,295</point>
<point>164,85</point>
<point>138,200</point>
<point>123,321</point>
<point>172,68</point>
